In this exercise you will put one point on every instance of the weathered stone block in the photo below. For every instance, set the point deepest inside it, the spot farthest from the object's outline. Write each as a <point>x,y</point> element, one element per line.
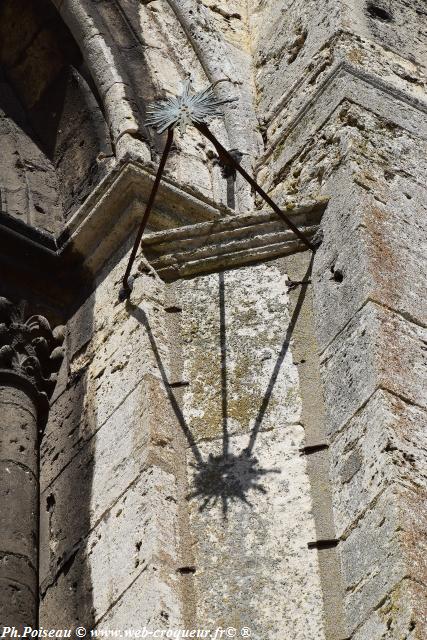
<point>376,349</point>
<point>396,27</point>
<point>102,312</point>
<point>236,350</point>
<point>153,601</point>
<point>401,615</point>
<point>29,184</point>
<point>18,569</point>
<point>105,375</point>
<point>136,538</point>
<point>140,435</point>
<point>377,261</point>
<point>18,589</point>
<point>384,443</point>
<point>287,39</point>
<point>18,503</point>
<point>378,552</point>
<point>305,346</point>
<point>72,421</point>
<point>318,472</point>
<point>338,145</point>
<point>17,605</point>
<point>19,433</point>
<point>230,19</point>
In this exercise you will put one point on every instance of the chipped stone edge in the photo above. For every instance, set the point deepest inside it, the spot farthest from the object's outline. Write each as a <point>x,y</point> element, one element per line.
<point>105,221</point>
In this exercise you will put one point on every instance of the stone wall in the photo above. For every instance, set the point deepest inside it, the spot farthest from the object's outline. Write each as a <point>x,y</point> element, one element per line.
<point>252,412</point>
<point>110,472</point>
<point>337,100</point>
<point>175,489</point>
<point>240,443</point>
<point>372,361</point>
<point>343,101</point>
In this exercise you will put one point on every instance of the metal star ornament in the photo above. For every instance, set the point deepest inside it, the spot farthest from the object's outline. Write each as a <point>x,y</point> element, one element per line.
<point>195,109</point>
<point>186,109</point>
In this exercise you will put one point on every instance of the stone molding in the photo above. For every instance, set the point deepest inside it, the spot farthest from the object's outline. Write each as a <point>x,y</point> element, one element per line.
<point>107,218</point>
<point>110,215</point>
<point>230,242</point>
<point>341,67</point>
<point>103,57</point>
<point>347,82</point>
<point>30,353</point>
<point>115,208</point>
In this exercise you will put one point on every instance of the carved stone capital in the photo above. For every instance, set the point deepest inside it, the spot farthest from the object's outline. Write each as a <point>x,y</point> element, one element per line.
<point>30,352</point>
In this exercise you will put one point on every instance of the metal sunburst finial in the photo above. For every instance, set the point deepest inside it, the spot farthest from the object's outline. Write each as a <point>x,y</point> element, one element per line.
<point>186,109</point>
<point>193,109</point>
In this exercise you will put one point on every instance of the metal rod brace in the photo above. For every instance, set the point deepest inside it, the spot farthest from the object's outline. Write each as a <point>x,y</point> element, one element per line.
<point>127,280</point>
<point>228,159</point>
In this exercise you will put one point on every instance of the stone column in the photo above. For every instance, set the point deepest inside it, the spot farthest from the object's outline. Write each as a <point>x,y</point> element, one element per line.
<point>30,355</point>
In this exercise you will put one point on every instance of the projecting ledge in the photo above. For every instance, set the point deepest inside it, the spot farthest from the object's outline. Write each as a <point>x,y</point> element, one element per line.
<point>230,242</point>
<point>111,214</point>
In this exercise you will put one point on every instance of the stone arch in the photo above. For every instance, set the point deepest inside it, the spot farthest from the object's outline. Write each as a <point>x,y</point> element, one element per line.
<point>54,136</point>
<point>108,33</point>
<point>219,60</point>
<point>98,37</point>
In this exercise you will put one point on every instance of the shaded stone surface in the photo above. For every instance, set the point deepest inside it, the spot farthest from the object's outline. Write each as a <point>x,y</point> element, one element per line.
<point>19,508</point>
<point>30,355</point>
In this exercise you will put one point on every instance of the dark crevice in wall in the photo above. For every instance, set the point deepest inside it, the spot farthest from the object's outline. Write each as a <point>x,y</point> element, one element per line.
<point>378,13</point>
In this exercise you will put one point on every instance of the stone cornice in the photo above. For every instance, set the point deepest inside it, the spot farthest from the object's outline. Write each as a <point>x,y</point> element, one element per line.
<point>106,220</point>
<point>349,82</point>
<point>229,242</point>
<point>114,209</point>
<point>62,269</point>
<point>301,86</point>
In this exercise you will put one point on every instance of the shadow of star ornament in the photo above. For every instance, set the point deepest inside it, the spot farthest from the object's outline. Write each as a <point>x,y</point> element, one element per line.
<point>186,109</point>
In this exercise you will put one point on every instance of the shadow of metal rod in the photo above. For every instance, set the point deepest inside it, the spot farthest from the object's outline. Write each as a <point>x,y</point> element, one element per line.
<point>228,159</point>
<point>127,287</point>
<point>223,346</point>
<point>285,347</point>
